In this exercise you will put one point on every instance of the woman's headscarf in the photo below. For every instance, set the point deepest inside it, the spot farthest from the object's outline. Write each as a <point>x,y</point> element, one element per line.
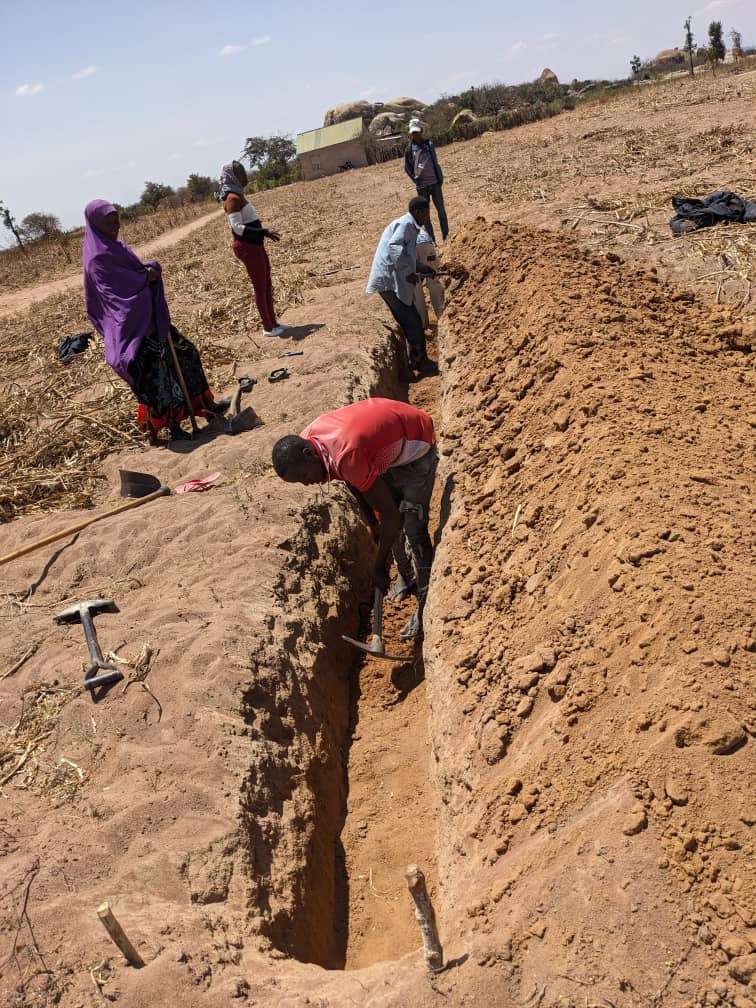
<point>121,304</point>
<point>228,180</point>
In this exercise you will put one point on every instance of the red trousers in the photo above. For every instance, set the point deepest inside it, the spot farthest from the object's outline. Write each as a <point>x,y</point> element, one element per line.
<point>255,258</point>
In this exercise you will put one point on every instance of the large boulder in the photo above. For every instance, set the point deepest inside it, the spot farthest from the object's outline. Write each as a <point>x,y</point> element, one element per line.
<point>548,77</point>
<point>463,118</point>
<point>386,124</point>
<point>668,59</point>
<point>408,104</point>
<point>352,110</point>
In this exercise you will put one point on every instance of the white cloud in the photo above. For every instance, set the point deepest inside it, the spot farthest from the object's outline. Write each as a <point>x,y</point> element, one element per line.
<point>130,164</point>
<point>93,172</point>
<point>715,5</point>
<point>261,40</point>
<point>176,156</point>
<point>550,36</point>
<point>372,92</point>
<point>87,71</point>
<point>231,50</point>
<point>29,89</point>
<point>208,143</point>
<point>518,46</point>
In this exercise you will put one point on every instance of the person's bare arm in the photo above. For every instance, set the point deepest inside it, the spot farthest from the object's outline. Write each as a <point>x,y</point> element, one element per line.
<point>380,500</point>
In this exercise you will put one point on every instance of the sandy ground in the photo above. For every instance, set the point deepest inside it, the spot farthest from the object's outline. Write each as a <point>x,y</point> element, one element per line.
<point>573,771</point>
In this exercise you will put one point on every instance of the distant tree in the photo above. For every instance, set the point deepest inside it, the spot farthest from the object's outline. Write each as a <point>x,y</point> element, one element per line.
<point>41,225</point>
<point>9,221</point>
<point>717,49</point>
<point>688,45</point>
<point>736,40</point>
<point>635,65</point>
<point>199,187</point>
<point>154,192</point>
<point>271,159</point>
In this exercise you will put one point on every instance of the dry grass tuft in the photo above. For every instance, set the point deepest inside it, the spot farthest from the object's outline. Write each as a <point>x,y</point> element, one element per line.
<point>27,757</point>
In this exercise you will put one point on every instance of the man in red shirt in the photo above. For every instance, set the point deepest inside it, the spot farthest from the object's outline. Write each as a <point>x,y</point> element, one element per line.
<point>385,451</point>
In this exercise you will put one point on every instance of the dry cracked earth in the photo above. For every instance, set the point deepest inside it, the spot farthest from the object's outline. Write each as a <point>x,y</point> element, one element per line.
<point>569,759</point>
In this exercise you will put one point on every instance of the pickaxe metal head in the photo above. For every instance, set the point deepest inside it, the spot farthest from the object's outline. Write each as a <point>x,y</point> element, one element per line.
<point>91,606</point>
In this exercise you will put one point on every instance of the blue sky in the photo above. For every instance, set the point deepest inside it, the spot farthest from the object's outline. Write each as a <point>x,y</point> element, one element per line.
<point>95,98</point>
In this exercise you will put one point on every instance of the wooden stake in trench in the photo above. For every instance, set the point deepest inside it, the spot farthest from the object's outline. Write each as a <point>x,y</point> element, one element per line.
<point>426,918</point>
<point>115,931</point>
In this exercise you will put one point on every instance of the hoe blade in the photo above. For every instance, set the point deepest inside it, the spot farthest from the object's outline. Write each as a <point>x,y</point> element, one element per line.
<point>137,484</point>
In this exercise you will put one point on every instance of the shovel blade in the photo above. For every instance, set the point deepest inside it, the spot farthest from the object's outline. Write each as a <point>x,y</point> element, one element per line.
<point>137,484</point>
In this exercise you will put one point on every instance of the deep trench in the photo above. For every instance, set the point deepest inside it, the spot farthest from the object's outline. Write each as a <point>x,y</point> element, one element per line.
<point>351,905</point>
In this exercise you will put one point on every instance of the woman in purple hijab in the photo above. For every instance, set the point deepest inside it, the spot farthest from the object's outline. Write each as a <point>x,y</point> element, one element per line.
<point>126,304</point>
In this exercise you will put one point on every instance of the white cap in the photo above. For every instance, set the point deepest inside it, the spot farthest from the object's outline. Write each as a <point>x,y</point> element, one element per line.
<point>415,126</point>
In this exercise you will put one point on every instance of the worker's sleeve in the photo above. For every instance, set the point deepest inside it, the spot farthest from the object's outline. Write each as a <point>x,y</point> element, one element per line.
<point>236,223</point>
<point>408,166</point>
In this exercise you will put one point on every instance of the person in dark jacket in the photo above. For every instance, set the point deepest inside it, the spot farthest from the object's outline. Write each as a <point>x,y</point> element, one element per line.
<point>421,164</point>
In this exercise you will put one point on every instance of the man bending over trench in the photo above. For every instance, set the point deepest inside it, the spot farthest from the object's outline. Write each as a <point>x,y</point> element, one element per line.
<point>385,451</point>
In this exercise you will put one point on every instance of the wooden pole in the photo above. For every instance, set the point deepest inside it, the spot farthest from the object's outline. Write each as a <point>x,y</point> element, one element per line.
<point>164,491</point>
<point>115,931</point>
<point>426,918</point>
<point>182,383</point>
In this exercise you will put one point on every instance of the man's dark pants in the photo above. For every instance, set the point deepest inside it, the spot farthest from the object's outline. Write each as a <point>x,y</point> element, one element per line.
<point>436,194</point>
<point>409,321</point>
<point>412,487</point>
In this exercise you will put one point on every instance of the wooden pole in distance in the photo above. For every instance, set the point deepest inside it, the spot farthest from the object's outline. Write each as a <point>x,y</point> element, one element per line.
<point>426,918</point>
<point>115,931</point>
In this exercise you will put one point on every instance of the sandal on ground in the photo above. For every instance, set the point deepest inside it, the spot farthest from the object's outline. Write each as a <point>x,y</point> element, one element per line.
<point>218,408</point>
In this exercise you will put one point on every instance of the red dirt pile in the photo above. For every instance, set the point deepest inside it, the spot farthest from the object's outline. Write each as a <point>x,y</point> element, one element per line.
<point>590,635</point>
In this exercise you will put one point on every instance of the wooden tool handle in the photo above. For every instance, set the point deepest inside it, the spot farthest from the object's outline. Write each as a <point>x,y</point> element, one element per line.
<point>182,383</point>
<point>164,491</point>
<point>116,932</point>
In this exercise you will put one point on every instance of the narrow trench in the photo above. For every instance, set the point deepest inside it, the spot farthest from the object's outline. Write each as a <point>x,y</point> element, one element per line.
<point>391,813</point>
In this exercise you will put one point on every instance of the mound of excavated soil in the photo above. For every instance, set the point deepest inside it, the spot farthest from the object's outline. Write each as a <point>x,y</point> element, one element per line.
<point>591,641</point>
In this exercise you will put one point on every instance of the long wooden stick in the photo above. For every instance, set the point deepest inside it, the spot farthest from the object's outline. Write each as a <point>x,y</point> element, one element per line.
<point>182,383</point>
<point>115,931</point>
<point>164,491</point>
<point>426,918</point>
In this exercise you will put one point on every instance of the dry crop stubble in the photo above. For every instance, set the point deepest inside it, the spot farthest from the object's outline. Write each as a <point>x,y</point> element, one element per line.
<point>59,257</point>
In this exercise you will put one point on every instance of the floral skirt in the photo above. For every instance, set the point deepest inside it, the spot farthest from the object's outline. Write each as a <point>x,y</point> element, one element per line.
<point>158,391</point>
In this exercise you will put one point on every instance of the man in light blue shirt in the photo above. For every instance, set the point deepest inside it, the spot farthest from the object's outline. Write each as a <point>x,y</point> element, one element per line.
<point>394,275</point>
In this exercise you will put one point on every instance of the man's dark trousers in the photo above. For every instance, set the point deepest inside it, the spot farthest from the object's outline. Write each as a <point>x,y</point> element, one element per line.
<point>436,194</point>
<point>409,321</point>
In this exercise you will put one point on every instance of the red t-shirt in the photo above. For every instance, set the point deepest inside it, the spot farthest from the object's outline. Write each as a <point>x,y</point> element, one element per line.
<point>358,443</point>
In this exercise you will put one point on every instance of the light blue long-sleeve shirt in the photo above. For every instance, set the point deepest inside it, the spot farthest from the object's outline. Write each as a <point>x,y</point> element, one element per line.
<point>395,259</point>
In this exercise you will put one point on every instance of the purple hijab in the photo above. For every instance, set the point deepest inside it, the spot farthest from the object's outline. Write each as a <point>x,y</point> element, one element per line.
<point>121,304</point>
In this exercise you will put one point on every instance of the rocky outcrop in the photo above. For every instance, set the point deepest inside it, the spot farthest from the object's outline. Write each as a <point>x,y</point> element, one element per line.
<point>351,110</point>
<point>548,77</point>
<point>404,108</point>
<point>386,124</point>
<point>463,118</point>
<point>406,104</point>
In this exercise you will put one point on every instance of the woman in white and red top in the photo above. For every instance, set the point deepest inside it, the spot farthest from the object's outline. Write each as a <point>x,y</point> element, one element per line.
<point>385,451</point>
<point>249,236</point>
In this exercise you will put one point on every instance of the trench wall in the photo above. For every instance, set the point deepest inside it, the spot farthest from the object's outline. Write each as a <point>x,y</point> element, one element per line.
<point>588,642</point>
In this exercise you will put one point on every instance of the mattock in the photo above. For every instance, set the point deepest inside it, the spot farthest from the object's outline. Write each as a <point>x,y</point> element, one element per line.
<point>84,613</point>
<point>375,646</point>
